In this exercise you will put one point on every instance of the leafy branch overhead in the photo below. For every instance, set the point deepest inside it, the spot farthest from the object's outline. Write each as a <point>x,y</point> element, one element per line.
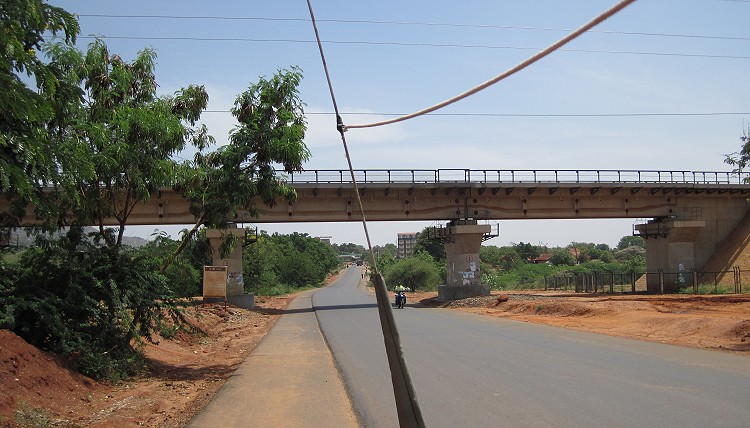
<point>270,134</point>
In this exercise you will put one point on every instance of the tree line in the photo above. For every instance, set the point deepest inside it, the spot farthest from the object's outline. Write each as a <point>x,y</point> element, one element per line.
<point>517,266</point>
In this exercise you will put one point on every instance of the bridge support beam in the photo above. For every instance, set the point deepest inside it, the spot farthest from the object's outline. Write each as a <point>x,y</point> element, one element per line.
<point>463,241</point>
<point>235,282</point>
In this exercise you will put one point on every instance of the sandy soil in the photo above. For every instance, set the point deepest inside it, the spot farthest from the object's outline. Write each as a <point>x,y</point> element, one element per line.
<point>185,372</point>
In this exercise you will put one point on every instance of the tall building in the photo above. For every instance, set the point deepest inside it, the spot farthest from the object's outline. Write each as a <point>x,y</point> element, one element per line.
<point>406,243</point>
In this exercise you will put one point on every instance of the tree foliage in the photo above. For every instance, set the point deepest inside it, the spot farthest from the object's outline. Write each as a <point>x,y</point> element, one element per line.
<point>417,272</point>
<point>631,241</point>
<point>28,161</point>
<point>124,135</point>
<point>270,132</point>
<point>76,297</point>
<point>528,251</point>
<point>562,257</point>
<point>279,263</point>
<point>739,160</point>
<point>426,243</point>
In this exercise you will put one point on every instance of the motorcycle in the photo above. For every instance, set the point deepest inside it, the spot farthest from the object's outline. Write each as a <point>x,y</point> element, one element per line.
<point>400,300</point>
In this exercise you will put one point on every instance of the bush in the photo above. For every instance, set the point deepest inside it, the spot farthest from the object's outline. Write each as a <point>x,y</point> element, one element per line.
<point>90,303</point>
<point>413,272</point>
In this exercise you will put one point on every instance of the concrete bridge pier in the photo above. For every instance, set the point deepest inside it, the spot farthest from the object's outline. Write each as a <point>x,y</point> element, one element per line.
<point>463,239</point>
<point>709,239</point>
<point>235,281</point>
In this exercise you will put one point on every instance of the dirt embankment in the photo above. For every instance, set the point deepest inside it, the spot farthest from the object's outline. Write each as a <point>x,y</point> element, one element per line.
<point>183,374</point>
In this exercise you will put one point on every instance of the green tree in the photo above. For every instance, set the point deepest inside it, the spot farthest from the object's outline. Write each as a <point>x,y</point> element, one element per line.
<point>527,251</point>
<point>739,160</point>
<point>29,160</point>
<point>184,274</point>
<point>413,272</point>
<point>129,135</point>
<point>631,241</point>
<point>271,129</point>
<point>258,262</point>
<point>426,242</point>
<point>562,257</point>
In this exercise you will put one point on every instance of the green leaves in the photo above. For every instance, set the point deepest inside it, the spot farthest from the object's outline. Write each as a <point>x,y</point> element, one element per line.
<point>270,132</point>
<point>27,160</point>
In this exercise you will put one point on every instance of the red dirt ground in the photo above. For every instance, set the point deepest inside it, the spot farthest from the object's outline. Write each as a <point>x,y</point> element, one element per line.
<point>185,372</point>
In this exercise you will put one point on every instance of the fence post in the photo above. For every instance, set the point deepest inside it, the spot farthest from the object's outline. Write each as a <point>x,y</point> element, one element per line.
<point>736,278</point>
<point>661,281</point>
<point>695,281</point>
<point>611,283</point>
<point>632,281</point>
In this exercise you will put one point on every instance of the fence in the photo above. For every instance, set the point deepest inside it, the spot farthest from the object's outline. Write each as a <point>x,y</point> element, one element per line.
<point>719,282</point>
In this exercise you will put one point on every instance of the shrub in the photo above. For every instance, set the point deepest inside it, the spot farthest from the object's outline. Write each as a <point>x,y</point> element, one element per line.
<point>90,303</point>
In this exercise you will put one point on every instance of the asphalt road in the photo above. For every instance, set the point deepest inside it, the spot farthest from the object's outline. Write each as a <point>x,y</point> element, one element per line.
<point>476,371</point>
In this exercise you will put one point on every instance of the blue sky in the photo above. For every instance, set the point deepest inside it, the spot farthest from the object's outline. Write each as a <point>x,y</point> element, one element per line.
<point>644,88</point>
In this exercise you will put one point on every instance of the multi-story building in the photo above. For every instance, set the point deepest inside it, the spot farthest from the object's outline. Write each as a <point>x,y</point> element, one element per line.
<point>406,243</point>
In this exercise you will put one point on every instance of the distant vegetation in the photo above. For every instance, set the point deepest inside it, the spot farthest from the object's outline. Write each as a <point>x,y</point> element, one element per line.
<point>519,266</point>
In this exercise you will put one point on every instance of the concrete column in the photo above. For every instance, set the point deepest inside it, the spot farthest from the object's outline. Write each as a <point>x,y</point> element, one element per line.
<point>235,282</point>
<point>463,241</point>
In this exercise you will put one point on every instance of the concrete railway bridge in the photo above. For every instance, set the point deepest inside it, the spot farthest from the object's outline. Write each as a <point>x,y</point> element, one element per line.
<point>692,219</point>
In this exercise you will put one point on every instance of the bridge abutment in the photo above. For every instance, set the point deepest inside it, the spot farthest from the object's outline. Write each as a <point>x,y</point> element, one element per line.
<point>692,239</point>
<point>463,240</point>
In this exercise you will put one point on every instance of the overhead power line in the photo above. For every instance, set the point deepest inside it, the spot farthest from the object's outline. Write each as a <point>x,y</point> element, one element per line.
<point>417,23</point>
<point>438,45</point>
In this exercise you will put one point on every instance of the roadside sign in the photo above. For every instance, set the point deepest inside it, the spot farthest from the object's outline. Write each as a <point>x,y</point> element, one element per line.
<point>215,281</point>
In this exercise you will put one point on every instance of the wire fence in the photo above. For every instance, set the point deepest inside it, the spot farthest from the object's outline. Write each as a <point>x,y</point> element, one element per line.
<point>719,282</point>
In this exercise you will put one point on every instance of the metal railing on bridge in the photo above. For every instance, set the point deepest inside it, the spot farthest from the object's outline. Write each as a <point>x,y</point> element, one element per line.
<point>436,176</point>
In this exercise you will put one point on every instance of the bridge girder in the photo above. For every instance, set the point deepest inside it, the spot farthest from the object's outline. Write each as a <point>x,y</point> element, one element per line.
<point>448,201</point>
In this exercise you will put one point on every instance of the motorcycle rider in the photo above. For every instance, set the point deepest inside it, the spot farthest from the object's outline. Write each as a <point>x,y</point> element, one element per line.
<point>400,289</point>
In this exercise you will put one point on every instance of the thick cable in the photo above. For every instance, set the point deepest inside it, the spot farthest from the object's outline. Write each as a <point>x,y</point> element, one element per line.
<point>553,47</point>
<point>340,127</point>
<point>407,405</point>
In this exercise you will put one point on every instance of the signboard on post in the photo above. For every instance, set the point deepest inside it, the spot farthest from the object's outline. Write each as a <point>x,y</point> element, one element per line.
<point>215,281</point>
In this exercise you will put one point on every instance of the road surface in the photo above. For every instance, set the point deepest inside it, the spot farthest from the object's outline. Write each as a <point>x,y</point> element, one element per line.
<point>477,371</point>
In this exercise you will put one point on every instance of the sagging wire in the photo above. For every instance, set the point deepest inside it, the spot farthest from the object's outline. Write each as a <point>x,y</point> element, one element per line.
<point>541,54</point>
<point>407,405</point>
<point>342,128</point>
